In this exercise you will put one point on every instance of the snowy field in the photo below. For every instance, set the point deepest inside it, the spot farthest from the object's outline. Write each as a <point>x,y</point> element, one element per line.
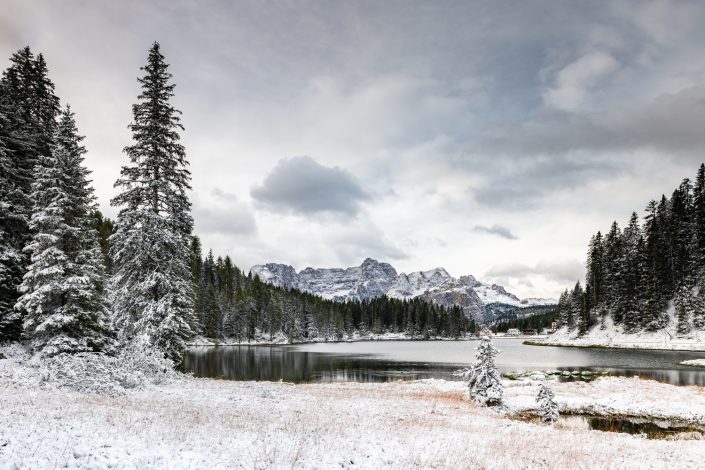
<point>202,423</point>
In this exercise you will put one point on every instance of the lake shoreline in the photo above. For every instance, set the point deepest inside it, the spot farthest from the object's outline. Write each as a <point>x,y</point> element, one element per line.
<point>617,346</point>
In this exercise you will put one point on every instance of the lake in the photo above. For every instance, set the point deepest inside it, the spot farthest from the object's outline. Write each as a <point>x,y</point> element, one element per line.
<point>381,361</point>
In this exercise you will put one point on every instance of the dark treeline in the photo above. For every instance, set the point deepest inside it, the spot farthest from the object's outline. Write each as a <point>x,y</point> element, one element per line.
<point>233,305</point>
<point>539,318</point>
<point>633,274</point>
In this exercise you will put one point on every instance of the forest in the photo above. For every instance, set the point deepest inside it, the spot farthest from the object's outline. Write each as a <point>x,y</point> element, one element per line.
<point>240,307</point>
<point>634,275</point>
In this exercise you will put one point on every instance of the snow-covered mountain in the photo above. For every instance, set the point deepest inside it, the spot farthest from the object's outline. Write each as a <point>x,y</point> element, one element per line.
<point>373,279</point>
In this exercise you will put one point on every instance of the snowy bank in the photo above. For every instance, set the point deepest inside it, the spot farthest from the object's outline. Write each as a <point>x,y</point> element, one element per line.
<point>202,423</point>
<point>281,339</point>
<point>694,362</point>
<point>611,336</point>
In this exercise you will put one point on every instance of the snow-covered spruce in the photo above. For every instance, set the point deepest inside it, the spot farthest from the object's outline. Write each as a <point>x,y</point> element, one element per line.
<point>482,377</point>
<point>62,289</point>
<point>152,289</point>
<point>548,409</point>
<point>28,108</point>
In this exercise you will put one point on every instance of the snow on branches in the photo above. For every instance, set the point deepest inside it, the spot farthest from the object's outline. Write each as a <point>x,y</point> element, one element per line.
<point>482,377</point>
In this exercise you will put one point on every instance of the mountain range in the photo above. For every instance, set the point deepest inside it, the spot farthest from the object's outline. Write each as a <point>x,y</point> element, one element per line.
<point>374,279</point>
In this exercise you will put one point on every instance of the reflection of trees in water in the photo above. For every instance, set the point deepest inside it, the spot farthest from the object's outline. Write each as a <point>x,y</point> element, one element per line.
<point>293,365</point>
<point>281,363</point>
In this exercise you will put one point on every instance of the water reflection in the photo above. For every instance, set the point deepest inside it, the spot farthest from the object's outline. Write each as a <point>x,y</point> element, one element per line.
<point>383,361</point>
<point>649,428</point>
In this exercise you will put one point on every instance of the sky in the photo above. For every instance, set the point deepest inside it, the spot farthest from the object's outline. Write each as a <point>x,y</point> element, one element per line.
<point>489,138</point>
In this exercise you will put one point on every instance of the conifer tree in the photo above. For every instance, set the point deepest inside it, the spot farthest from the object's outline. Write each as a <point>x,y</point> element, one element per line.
<point>683,303</point>
<point>152,285</point>
<point>548,409</point>
<point>633,278</point>
<point>11,256</point>
<point>483,379</point>
<point>699,220</point>
<point>62,290</point>
<point>595,272</point>
<point>28,108</point>
<point>576,317</point>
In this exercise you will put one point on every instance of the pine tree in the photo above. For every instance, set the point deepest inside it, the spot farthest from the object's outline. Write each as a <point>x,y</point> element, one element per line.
<point>152,286</point>
<point>105,228</point>
<point>11,256</point>
<point>681,235</point>
<point>613,263</point>
<point>28,108</point>
<point>634,278</point>
<point>684,309</point>
<point>483,379</point>
<point>699,219</point>
<point>594,281</point>
<point>548,409</point>
<point>656,290</point>
<point>576,317</point>
<point>62,290</point>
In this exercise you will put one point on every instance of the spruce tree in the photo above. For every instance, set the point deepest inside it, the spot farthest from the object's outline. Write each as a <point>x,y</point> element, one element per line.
<point>576,317</point>
<point>633,285</point>
<point>594,281</point>
<point>613,263</point>
<point>11,256</point>
<point>548,409</point>
<point>684,304</point>
<point>63,287</point>
<point>152,285</point>
<point>482,377</point>
<point>28,109</point>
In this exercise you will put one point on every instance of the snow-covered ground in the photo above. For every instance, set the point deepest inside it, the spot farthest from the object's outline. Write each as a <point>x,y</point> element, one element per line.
<point>694,362</point>
<point>612,336</point>
<point>280,338</point>
<point>201,423</point>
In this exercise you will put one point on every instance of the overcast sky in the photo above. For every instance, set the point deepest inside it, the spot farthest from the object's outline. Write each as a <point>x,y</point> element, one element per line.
<point>490,138</point>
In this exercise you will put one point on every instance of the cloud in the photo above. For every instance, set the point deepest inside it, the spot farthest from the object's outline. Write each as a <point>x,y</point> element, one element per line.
<point>300,185</point>
<point>558,150</point>
<point>497,230</point>
<point>363,240</point>
<point>574,82</point>
<point>564,271</point>
<point>223,215</point>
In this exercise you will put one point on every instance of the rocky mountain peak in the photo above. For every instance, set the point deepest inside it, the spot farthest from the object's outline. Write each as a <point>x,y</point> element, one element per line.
<point>374,279</point>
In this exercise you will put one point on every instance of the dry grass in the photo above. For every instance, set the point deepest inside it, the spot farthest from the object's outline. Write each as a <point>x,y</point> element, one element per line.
<point>217,424</point>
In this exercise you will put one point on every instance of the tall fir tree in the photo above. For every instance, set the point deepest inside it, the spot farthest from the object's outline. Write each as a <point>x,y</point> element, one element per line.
<point>28,110</point>
<point>63,287</point>
<point>152,285</point>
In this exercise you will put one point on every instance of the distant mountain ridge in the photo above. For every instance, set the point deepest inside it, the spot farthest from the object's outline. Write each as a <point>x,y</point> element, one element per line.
<point>374,279</point>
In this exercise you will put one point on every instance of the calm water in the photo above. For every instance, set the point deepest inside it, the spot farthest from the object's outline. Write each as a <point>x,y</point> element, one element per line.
<point>380,361</point>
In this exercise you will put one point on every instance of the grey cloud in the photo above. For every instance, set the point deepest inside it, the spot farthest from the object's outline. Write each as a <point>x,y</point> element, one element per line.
<point>363,241</point>
<point>555,150</point>
<point>521,182</point>
<point>671,123</point>
<point>497,230</point>
<point>300,185</point>
<point>227,217</point>
<point>565,271</point>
